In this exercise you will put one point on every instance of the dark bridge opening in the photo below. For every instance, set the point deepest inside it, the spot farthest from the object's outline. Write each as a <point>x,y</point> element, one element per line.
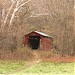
<point>34,42</point>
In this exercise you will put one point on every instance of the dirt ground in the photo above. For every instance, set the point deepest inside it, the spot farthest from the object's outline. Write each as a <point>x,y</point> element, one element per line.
<point>59,59</point>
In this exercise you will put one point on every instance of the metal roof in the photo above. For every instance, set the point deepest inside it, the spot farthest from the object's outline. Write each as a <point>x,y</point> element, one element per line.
<point>43,34</point>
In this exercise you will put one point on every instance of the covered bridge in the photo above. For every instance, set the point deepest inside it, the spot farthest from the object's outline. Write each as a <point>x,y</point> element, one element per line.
<point>38,40</point>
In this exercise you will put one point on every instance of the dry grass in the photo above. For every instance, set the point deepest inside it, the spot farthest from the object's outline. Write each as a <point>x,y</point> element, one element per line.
<point>20,54</point>
<point>48,54</point>
<point>26,53</point>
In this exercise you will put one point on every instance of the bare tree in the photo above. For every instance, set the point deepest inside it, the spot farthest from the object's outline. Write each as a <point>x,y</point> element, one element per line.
<point>9,9</point>
<point>14,7</point>
<point>54,17</point>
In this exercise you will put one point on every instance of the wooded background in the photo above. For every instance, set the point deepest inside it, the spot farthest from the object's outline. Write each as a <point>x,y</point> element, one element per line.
<point>54,17</point>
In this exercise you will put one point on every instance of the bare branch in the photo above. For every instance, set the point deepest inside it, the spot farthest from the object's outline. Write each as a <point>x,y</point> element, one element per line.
<point>16,9</point>
<point>8,14</point>
<point>3,17</point>
<point>37,15</point>
<point>13,1</point>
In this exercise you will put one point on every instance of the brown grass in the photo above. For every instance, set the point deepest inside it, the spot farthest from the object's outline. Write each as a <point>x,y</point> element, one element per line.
<point>20,54</point>
<point>48,54</point>
<point>27,54</point>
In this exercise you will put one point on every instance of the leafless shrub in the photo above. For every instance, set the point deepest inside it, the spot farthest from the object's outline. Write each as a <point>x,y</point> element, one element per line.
<point>20,54</point>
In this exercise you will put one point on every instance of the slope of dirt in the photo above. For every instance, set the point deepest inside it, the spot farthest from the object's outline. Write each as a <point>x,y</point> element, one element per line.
<point>60,59</point>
